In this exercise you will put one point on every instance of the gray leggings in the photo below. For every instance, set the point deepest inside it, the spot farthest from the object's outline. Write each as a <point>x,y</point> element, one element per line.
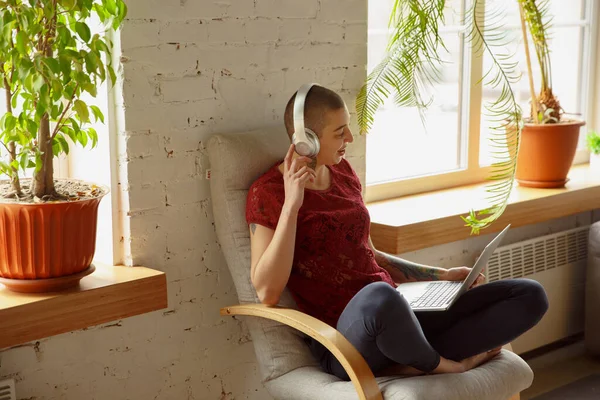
<point>381,325</point>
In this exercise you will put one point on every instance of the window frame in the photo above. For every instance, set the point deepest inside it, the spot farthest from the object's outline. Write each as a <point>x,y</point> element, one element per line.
<point>470,171</point>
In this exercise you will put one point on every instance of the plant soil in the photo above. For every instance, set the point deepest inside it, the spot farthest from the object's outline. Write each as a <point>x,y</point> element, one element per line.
<point>68,190</point>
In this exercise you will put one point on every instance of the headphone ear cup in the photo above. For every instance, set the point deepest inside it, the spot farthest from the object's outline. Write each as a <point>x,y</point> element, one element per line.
<point>314,141</point>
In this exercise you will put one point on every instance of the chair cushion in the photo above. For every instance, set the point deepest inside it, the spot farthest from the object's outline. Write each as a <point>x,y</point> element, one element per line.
<point>499,379</point>
<point>236,161</point>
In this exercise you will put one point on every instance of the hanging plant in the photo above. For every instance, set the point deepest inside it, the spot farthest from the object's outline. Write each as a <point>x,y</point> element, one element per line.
<point>411,66</point>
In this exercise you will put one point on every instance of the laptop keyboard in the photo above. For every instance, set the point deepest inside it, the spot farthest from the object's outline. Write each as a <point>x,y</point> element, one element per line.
<point>436,294</point>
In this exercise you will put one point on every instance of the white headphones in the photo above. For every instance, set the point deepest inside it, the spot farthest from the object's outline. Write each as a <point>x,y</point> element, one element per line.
<point>305,140</point>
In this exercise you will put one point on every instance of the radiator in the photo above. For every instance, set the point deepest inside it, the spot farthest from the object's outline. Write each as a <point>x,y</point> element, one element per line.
<point>557,262</point>
<point>7,390</point>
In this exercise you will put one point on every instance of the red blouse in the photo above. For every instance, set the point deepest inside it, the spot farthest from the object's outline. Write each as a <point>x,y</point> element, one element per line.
<point>332,257</point>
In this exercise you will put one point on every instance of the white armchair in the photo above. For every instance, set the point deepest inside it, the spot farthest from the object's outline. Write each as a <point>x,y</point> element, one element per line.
<point>289,371</point>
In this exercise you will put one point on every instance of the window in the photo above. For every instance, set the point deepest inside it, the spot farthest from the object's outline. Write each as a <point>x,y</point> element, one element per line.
<point>405,156</point>
<point>94,165</point>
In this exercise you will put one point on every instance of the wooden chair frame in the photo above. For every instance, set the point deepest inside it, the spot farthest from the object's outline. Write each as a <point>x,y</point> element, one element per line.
<point>355,365</point>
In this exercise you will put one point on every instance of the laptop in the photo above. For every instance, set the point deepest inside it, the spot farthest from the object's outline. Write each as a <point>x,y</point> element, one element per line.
<point>440,295</point>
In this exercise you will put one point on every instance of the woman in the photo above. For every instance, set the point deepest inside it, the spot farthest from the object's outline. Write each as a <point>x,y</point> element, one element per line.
<point>309,230</point>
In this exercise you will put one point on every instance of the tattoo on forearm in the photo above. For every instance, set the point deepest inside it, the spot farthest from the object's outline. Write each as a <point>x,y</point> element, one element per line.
<point>253,228</point>
<point>409,270</point>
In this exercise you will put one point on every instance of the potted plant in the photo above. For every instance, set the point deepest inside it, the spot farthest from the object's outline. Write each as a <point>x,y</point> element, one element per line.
<point>49,62</point>
<point>548,141</point>
<point>411,64</point>
<point>593,145</point>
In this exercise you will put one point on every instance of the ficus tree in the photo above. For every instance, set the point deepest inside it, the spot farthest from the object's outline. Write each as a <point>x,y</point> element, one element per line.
<point>49,62</point>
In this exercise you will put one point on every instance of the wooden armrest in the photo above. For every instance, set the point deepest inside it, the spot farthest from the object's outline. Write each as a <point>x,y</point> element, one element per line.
<point>355,365</point>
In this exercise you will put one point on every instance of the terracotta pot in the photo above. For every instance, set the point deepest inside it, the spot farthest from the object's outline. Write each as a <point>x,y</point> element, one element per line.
<point>546,153</point>
<point>47,240</point>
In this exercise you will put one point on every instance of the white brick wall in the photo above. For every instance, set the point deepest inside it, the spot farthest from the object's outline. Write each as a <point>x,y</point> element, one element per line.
<point>184,90</point>
<point>306,9</point>
<point>192,68</point>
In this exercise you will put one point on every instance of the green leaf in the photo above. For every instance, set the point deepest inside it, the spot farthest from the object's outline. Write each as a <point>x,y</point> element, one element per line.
<point>23,69</point>
<point>593,142</point>
<point>22,42</point>
<point>411,65</point>
<point>38,82</point>
<point>82,111</point>
<point>82,78</point>
<point>501,74</point>
<point>55,148</point>
<point>83,31</point>
<point>23,139</point>
<point>69,90</point>
<point>57,90</point>
<point>32,127</point>
<point>111,6</point>
<point>9,122</point>
<point>38,161</point>
<point>55,112</point>
<point>74,125</point>
<point>72,54</point>
<point>122,13</point>
<point>100,45</point>
<point>101,12</point>
<point>90,88</point>
<point>97,113</point>
<point>53,65</point>
<point>4,168</point>
<point>24,160</point>
<point>63,143</point>
<point>65,66</point>
<point>64,34</point>
<point>28,83</point>
<point>111,73</point>
<point>70,132</point>
<point>91,62</point>
<point>101,72</point>
<point>14,101</point>
<point>83,138</point>
<point>94,136</point>
<point>44,100</point>
<point>7,18</point>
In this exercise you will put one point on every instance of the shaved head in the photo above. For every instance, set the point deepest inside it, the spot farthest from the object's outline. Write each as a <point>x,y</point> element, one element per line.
<point>318,103</point>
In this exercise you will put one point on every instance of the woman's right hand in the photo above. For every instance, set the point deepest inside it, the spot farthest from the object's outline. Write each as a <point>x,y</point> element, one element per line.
<point>296,174</point>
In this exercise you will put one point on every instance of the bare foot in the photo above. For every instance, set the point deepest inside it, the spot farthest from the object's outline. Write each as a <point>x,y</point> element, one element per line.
<point>445,366</point>
<point>477,360</point>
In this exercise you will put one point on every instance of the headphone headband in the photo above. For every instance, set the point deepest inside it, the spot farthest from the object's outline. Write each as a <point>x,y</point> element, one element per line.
<point>299,101</point>
<point>305,140</point>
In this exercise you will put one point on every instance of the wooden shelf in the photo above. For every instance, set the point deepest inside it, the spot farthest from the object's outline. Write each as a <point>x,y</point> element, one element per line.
<point>424,220</point>
<point>110,293</point>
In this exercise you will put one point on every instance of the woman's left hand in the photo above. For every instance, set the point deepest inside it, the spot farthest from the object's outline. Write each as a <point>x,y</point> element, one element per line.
<point>460,274</point>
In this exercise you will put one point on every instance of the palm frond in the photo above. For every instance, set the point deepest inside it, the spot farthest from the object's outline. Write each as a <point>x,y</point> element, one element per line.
<point>505,112</point>
<point>411,64</point>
